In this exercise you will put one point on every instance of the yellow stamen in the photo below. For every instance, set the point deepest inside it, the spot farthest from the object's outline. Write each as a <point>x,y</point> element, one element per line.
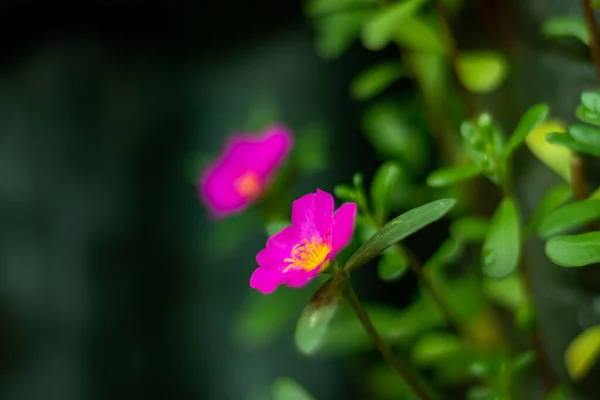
<point>308,255</point>
<point>248,185</point>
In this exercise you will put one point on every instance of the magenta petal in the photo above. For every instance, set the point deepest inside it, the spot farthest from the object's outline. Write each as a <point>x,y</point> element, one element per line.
<point>265,280</point>
<point>311,215</point>
<point>218,192</point>
<point>280,245</point>
<point>323,204</point>
<point>343,227</point>
<point>300,278</point>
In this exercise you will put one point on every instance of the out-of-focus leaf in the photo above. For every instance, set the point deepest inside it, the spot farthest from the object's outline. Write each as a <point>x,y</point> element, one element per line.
<point>574,250</point>
<point>288,389</point>
<point>568,217</point>
<point>482,393</point>
<point>554,197</point>
<point>345,193</point>
<point>398,229</point>
<point>501,247</point>
<point>583,352</point>
<point>392,133</point>
<point>587,135</point>
<point>316,8</point>
<point>481,72</point>
<point>431,73</point>
<point>566,27</point>
<point>384,182</point>
<point>380,29</point>
<point>525,317</point>
<point>464,296</point>
<point>556,157</point>
<point>558,393</point>
<point>448,252</point>
<point>506,292</point>
<point>596,194</point>
<point>312,149</point>
<point>595,3</point>
<point>565,139</point>
<point>336,32</point>
<point>376,79</point>
<point>433,347</point>
<point>469,229</point>
<point>591,101</point>
<point>275,226</point>
<point>452,175</point>
<point>585,115</point>
<point>392,265</point>
<point>523,361</point>
<point>419,35</point>
<point>316,316</point>
<point>532,118</point>
<point>383,381</point>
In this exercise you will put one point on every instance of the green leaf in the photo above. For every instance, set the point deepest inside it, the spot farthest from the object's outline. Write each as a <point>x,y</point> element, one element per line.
<point>574,250</point>
<point>585,115</point>
<point>565,139</point>
<point>583,352</point>
<point>380,29</point>
<point>482,393</point>
<point>469,229</point>
<point>557,158</point>
<point>591,101</point>
<point>453,175</point>
<point>501,247</point>
<point>525,317</point>
<point>568,217</point>
<point>288,389</point>
<point>392,265</point>
<point>384,182</point>
<point>566,27</point>
<point>336,32</point>
<point>448,252</point>
<point>316,8</point>
<point>596,194</point>
<point>433,347</point>
<point>554,197</point>
<point>398,229</point>
<point>532,118</point>
<point>558,393</point>
<point>316,316</point>
<point>587,135</point>
<point>375,80</point>
<point>481,72</point>
<point>595,3</point>
<point>275,226</point>
<point>345,193</point>
<point>506,292</point>
<point>523,361</point>
<point>419,35</point>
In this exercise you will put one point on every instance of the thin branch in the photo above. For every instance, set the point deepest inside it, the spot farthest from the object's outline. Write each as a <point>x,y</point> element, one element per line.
<point>590,22</point>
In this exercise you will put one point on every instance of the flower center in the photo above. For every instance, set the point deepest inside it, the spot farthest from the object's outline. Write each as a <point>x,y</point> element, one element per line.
<point>248,185</point>
<point>308,255</point>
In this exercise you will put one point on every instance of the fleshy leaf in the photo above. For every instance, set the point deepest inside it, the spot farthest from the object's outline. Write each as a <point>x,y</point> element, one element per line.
<point>481,72</point>
<point>585,115</point>
<point>317,314</point>
<point>336,32</point>
<point>568,217</point>
<point>470,229</point>
<point>532,118</point>
<point>566,27</point>
<point>392,265</point>
<point>384,182</point>
<point>398,229</point>
<point>506,292</point>
<point>565,139</point>
<point>316,8</point>
<point>574,250</point>
<point>419,36</point>
<point>587,135</point>
<point>380,29</point>
<point>501,247</point>
<point>557,158</point>
<point>583,352</point>
<point>289,389</point>
<point>375,80</point>
<point>433,347</point>
<point>345,193</point>
<point>553,198</point>
<point>591,101</point>
<point>450,176</point>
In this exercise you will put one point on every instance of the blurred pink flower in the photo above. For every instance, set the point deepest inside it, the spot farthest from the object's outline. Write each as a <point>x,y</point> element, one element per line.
<point>299,252</point>
<point>244,170</point>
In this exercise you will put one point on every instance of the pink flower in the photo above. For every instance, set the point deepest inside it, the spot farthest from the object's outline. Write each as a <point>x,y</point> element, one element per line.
<point>244,170</point>
<point>297,253</point>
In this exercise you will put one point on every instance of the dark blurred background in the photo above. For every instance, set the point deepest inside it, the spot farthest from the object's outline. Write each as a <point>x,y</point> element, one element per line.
<point>113,282</point>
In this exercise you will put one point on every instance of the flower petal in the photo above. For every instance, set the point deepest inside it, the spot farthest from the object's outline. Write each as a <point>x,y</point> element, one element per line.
<point>265,280</point>
<point>311,215</point>
<point>342,227</point>
<point>300,278</point>
<point>279,247</point>
<point>218,192</point>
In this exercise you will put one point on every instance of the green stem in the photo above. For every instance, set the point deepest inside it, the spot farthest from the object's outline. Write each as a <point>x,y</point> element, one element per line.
<point>415,384</point>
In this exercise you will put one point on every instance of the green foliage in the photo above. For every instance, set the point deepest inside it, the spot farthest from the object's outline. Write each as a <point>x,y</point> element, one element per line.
<point>470,229</point>
<point>337,31</point>
<point>419,35</point>
<point>502,244</point>
<point>556,157</point>
<point>384,182</point>
<point>275,226</point>
<point>574,250</point>
<point>345,193</point>
<point>566,27</point>
<point>583,352</point>
<point>317,315</point>
<point>481,72</point>
<point>434,347</point>
<point>380,29</point>
<point>289,389</point>
<point>569,217</point>
<point>392,265</point>
<point>532,118</point>
<point>506,292</point>
<point>376,79</point>
<point>483,145</point>
<point>451,176</point>
<point>398,229</point>
<point>553,198</point>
